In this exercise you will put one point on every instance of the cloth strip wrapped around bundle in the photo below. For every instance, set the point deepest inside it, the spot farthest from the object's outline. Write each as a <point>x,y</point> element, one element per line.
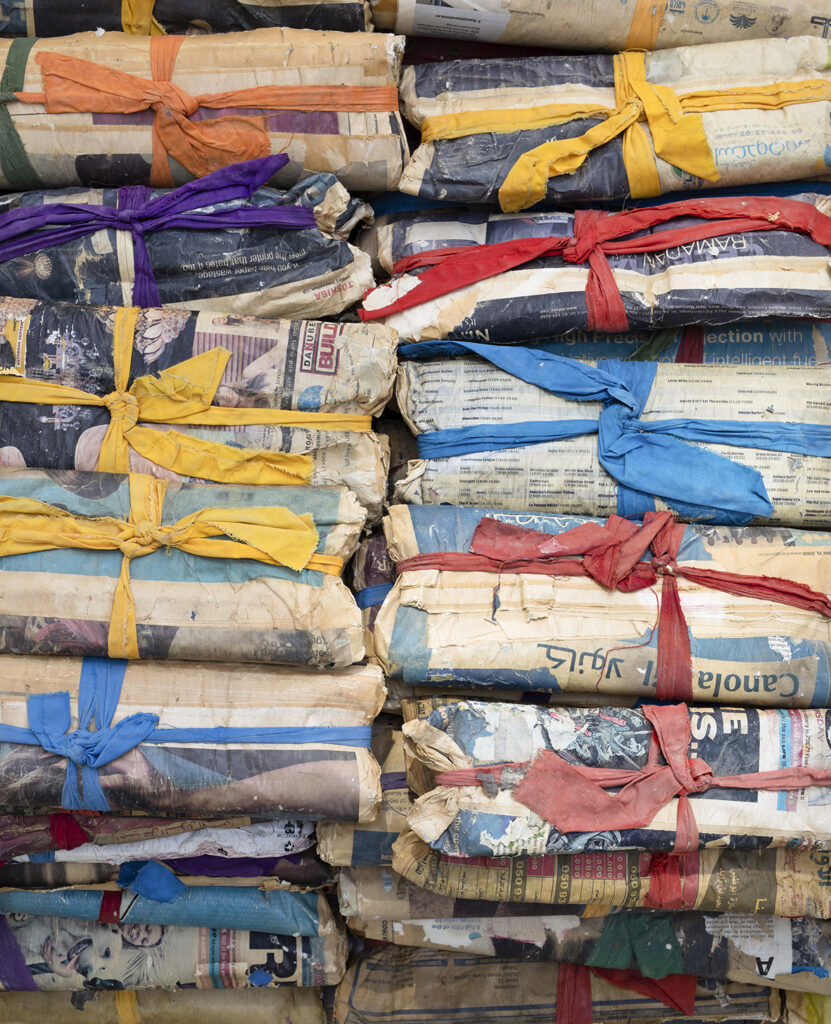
<point>301,871</point>
<point>517,780</point>
<point>343,843</point>
<point>547,602</point>
<point>234,413</point>
<point>785,952</point>
<point>513,427</point>
<point>61,832</point>
<point>54,954</point>
<point>181,1006</point>
<point>777,881</point>
<point>224,243</point>
<point>543,131</point>
<point>503,278</point>
<point>598,24</point>
<point>385,984</point>
<point>132,566</point>
<point>241,907</point>
<point>157,110</point>
<point>189,739</point>
<point>177,17</point>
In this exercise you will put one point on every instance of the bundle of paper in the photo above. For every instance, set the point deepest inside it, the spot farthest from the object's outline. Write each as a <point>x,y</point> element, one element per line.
<point>548,602</point>
<point>778,881</point>
<point>177,17</point>
<point>523,429</point>
<point>515,779</point>
<point>113,838</point>
<point>133,566</point>
<point>785,952</point>
<point>508,278</point>
<point>541,131</point>
<point>53,953</point>
<point>225,243</point>
<point>386,984</point>
<point>159,391</point>
<point>342,843</point>
<point>302,871</point>
<point>172,902</point>
<point>597,24</point>
<point>189,739</point>
<point>182,1006</point>
<point>121,109</point>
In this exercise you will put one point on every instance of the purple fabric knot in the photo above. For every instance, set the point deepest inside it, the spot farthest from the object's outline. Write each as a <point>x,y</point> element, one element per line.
<point>192,206</point>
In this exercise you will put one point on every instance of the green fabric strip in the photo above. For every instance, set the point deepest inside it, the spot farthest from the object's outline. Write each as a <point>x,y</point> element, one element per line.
<point>14,163</point>
<point>642,940</point>
<point>657,344</point>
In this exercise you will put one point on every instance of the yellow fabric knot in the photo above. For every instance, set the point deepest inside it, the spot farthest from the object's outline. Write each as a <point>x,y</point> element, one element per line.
<point>181,395</point>
<point>271,534</point>
<point>675,126</point>
<point>123,408</point>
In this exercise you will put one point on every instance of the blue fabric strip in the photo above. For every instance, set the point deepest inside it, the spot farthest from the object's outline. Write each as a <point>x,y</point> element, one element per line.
<point>637,454</point>
<point>98,695</point>
<point>369,597</point>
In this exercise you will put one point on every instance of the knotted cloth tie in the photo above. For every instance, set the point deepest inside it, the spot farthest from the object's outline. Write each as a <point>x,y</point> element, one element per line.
<point>596,236</point>
<point>676,129</point>
<point>611,554</point>
<point>72,85</point>
<point>574,798</point>
<point>642,455</point>
<point>29,229</point>
<point>99,691</point>
<point>272,534</point>
<point>182,395</point>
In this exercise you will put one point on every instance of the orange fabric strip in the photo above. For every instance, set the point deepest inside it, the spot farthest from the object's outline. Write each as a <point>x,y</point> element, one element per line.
<point>72,85</point>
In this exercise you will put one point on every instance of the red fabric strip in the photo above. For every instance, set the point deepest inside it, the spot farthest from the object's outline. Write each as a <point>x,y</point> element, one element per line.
<point>665,891</point>
<point>612,554</point>
<point>597,234</point>
<point>691,346</point>
<point>574,994</point>
<point>67,834</point>
<point>675,990</point>
<point>110,910</point>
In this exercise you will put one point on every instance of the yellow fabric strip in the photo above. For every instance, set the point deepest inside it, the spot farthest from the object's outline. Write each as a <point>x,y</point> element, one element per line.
<point>271,534</point>
<point>675,125</point>
<point>137,18</point>
<point>817,1009</point>
<point>126,1006</point>
<point>646,22</point>
<point>181,396</point>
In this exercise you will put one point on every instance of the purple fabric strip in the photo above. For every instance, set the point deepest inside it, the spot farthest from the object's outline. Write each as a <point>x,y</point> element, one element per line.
<point>394,780</point>
<point>28,229</point>
<point>15,976</point>
<point>224,867</point>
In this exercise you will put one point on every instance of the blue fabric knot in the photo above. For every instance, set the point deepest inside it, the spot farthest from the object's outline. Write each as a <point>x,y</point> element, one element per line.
<point>648,459</point>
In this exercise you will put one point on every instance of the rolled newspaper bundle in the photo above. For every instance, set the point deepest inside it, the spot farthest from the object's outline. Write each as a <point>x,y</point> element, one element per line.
<point>224,243</point>
<point>599,24</point>
<point>190,739</point>
<point>170,393</point>
<point>790,953</point>
<point>182,1006</point>
<point>497,278</point>
<point>167,901</point>
<point>383,984</point>
<point>177,17</point>
<point>132,110</point>
<point>343,843</point>
<point>220,573</point>
<point>60,954</point>
<point>506,599</point>
<point>519,428</point>
<point>776,881</point>
<point>543,131</point>
<point>517,780</point>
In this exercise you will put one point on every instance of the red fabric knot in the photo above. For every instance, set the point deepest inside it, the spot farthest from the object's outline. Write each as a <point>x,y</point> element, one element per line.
<point>574,798</point>
<point>67,834</point>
